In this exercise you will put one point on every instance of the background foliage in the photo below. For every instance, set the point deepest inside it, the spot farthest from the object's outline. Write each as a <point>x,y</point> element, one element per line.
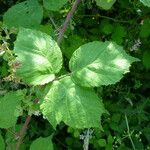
<point>126,23</point>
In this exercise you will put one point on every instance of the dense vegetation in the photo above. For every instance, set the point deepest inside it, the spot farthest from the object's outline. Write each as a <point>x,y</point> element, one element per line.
<point>75,82</point>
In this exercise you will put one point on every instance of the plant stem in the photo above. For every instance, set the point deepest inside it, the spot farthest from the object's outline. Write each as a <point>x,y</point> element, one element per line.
<point>22,132</point>
<point>106,17</point>
<point>24,129</point>
<point>86,140</point>
<point>68,18</point>
<point>128,132</point>
<point>52,21</point>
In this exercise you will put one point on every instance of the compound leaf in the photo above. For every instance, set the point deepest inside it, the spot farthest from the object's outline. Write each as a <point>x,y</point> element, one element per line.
<point>105,4</point>
<point>54,5</point>
<point>25,14</point>
<point>99,63</point>
<point>8,108</point>
<point>76,106</point>
<point>39,57</point>
<point>42,143</point>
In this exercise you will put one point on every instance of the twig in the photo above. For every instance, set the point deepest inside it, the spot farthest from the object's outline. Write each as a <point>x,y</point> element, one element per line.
<point>24,129</point>
<point>52,21</point>
<point>61,143</point>
<point>106,17</point>
<point>128,132</point>
<point>22,132</point>
<point>68,18</point>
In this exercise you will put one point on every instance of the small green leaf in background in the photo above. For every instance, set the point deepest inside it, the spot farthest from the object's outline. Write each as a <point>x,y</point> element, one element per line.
<point>48,29</point>
<point>25,14</point>
<point>69,141</point>
<point>39,57</point>
<point>105,4</point>
<point>8,108</point>
<point>102,142</point>
<point>54,5</point>
<point>71,44</point>
<point>146,59</point>
<point>4,69</point>
<point>106,27</point>
<point>118,34</point>
<point>110,141</point>
<point>2,144</point>
<point>99,63</point>
<point>145,29</point>
<point>124,4</point>
<point>76,106</point>
<point>146,2</point>
<point>42,144</point>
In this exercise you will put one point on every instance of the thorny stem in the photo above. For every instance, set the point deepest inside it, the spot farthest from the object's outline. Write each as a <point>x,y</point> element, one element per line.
<point>60,37</point>
<point>68,18</point>
<point>23,131</point>
<point>128,132</point>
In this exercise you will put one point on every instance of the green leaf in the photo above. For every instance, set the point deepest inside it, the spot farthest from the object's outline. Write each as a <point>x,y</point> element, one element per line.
<point>39,57</point>
<point>42,143</point>
<point>71,44</point>
<point>54,5</point>
<point>145,31</point>
<point>110,141</point>
<point>105,4</point>
<point>2,144</point>
<point>118,33</point>
<point>4,69</point>
<point>99,63</point>
<point>146,2</point>
<point>8,108</point>
<point>106,27</point>
<point>146,59</point>
<point>47,28</point>
<point>26,14</point>
<point>102,142</point>
<point>76,106</point>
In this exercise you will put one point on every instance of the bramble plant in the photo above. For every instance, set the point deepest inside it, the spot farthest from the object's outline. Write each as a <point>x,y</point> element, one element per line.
<point>36,64</point>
